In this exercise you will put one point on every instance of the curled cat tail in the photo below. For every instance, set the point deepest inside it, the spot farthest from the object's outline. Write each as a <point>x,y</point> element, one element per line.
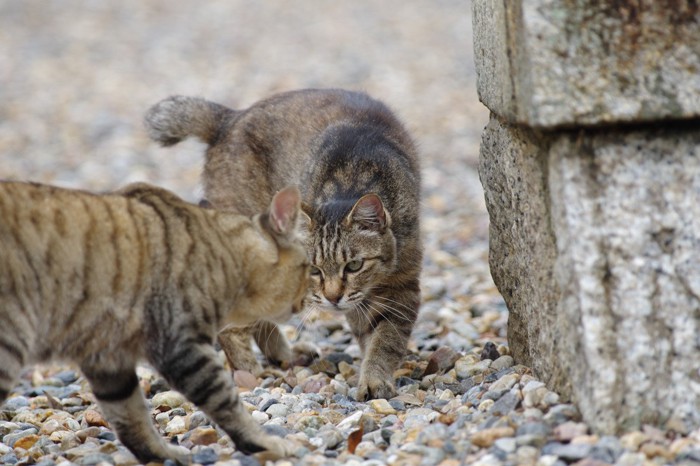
<point>173,119</point>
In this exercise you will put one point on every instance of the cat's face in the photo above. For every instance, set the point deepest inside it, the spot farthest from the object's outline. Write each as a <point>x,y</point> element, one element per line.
<point>351,257</point>
<point>276,264</point>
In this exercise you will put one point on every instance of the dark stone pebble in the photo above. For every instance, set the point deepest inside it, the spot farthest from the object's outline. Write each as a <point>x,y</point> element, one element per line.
<point>386,435</point>
<point>67,377</point>
<point>398,405</point>
<point>457,388</point>
<point>559,414</point>
<point>267,404</point>
<point>437,404</point>
<point>533,428</point>
<point>498,453</point>
<point>505,404</point>
<point>245,460</point>
<point>107,436</point>
<point>56,392</point>
<point>26,425</point>
<point>405,381</point>
<point>330,454</point>
<point>494,395</point>
<point>205,456</point>
<point>73,409</point>
<point>497,375</point>
<point>473,395</point>
<point>274,429</point>
<point>177,412</point>
<point>458,424</point>
<point>490,351</point>
<point>449,448</point>
<point>338,356</point>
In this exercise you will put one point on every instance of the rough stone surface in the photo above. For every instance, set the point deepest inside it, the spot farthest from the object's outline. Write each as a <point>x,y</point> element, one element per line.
<point>595,246</point>
<point>626,215</point>
<point>568,62</point>
<point>522,247</point>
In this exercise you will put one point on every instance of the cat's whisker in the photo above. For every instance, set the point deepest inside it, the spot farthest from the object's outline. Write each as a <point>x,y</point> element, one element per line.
<point>393,325</point>
<point>409,308</point>
<point>364,310</point>
<point>395,312</point>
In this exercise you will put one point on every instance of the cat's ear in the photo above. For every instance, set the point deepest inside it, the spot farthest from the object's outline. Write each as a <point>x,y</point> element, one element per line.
<point>369,213</point>
<point>305,222</point>
<point>284,210</point>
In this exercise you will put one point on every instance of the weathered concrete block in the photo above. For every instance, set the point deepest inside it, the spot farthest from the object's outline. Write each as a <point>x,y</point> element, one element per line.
<point>548,63</point>
<point>595,246</point>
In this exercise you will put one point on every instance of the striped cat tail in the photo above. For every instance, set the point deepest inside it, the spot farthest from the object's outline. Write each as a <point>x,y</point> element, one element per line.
<point>173,119</point>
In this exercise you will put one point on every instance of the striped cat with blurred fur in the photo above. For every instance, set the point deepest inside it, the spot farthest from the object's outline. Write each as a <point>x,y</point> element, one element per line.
<point>106,280</point>
<point>358,172</point>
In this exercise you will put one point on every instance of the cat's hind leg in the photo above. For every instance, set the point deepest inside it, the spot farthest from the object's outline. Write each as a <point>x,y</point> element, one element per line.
<point>237,345</point>
<point>276,348</point>
<point>123,404</point>
<point>195,370</point>
<point>13,353</point>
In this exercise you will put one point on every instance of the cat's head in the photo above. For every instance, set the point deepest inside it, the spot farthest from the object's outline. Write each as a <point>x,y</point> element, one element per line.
<point>276,263</point>
<point>352,250</point>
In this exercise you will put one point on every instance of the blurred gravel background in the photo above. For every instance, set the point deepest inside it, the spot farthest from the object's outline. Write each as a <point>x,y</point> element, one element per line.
<point>75,80</point>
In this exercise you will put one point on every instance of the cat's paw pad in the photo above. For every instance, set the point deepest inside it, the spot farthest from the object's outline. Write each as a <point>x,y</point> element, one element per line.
<point>375,388</point>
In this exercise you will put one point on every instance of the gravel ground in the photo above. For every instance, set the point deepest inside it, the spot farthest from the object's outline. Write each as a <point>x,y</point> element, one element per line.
<point>75,80</point>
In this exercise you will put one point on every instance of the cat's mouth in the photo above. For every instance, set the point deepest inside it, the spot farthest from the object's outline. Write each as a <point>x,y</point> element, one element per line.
<point>341,305</point>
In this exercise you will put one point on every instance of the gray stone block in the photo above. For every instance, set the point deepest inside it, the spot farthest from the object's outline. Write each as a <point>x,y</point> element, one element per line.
<point>553,63</point>
<point>595,246</point>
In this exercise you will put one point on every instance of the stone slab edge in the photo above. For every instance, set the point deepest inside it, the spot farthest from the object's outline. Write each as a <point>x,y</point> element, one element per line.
<point>554,63</point>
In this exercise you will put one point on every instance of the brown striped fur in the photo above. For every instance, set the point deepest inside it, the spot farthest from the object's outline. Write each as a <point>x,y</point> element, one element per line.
<point>358,172</point>
<point>107,280</point>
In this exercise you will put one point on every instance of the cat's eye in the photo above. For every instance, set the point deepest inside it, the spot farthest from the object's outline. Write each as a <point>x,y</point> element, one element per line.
<point>315,271</point>
<point>353,266</point>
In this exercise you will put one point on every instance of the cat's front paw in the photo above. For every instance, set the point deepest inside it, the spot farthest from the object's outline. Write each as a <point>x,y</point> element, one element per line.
<point>271,447</point>
<point>180,455</point>
<point>304,353</point>
<point>374,387</point>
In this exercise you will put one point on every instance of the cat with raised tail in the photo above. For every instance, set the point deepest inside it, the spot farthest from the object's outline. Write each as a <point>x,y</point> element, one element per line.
<point>106,280</point>
<point>359,176</point>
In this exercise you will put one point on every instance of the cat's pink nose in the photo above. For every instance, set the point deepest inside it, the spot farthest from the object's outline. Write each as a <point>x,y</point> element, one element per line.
<point>334,298</point>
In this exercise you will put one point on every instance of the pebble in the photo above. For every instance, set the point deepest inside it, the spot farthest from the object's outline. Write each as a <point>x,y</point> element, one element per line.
<point>382,406</point>
<point>277,410</point>
<point>11,439</point>
<point>169,399</point>
<point>205,456</point>
<point>177,425</point>
<point>485,438</point>
<point>204,436</point>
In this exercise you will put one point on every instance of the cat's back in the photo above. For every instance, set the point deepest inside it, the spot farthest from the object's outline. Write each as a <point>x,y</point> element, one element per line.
<point>301,115</point>
<point>60,246</point>
<point>292,135</point>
